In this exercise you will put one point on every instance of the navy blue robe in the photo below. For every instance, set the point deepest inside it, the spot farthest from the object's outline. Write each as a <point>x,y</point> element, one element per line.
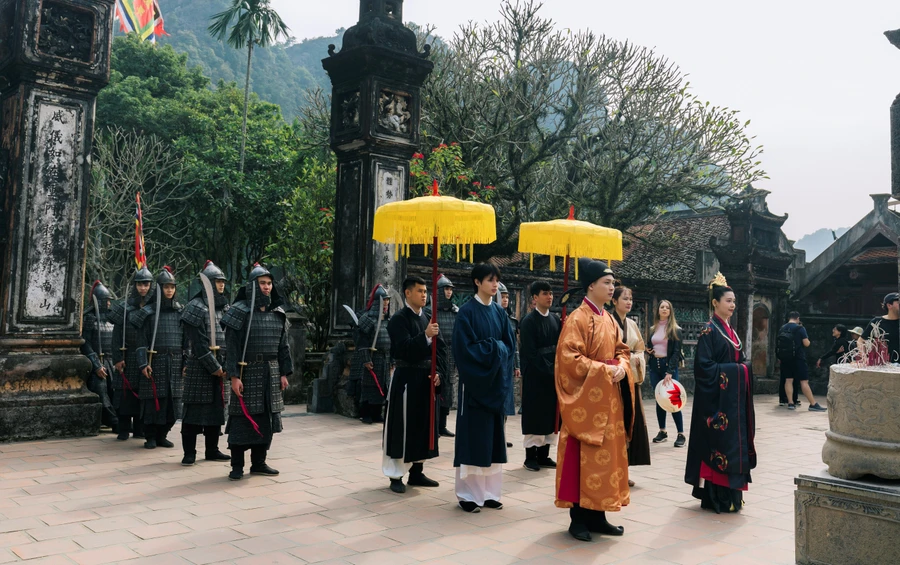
<point>484,348</point>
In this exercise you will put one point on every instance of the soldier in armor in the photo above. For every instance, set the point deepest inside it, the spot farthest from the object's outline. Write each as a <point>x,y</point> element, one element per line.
<point>97,333</point>
<point>510,405</point>
<point>446,319</point>
<point>161,359</point>
<point>127,374</point>
<point>259,364</point>
<point>204,379</point>
<point>372,361</point>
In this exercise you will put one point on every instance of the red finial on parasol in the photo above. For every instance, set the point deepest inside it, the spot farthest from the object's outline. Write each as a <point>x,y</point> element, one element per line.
<point>571,212</point>
<point>434,188</point>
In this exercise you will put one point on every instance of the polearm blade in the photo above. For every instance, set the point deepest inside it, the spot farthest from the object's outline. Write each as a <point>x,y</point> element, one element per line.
<point>211,308</point>
<point>99,339</point>
<point>151,351</point>
<point>243,362</point>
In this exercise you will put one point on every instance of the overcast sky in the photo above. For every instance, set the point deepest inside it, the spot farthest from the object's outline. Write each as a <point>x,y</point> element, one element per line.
<point>817,81</point>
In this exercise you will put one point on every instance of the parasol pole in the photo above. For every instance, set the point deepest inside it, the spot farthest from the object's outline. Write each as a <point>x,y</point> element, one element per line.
<point>563,317</point>
<point>434,298</point>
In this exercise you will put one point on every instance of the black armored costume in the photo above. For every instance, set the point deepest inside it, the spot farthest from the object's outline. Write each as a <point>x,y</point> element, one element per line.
<point>258,321</point>
<point>96,330</point>
<point>446,319</point>
<point>371,368</point>
<point>161,348</point>
<point>204,379</point>
<point>127,376</point>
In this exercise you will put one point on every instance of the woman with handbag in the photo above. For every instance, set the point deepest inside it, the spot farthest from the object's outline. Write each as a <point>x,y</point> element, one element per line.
<point>665,356</point>
<point>639,446</point>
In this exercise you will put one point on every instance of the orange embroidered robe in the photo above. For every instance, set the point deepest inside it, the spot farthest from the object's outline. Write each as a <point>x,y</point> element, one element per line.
<point>597,414</point>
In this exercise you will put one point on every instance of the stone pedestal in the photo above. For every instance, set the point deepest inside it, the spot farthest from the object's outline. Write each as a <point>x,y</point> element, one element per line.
<point>841,522</point>
<point>864,422</point>
<point>54,58</point>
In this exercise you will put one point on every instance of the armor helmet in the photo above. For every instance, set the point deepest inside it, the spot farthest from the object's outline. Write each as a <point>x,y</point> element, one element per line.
<point>502,289</point>
<point>165,276</point>
<point>143,275</point>
<point>258,271</point>
<point>101,292</point>
<point>213,272</point>
<point>378,294</point>
<point>444,282</point>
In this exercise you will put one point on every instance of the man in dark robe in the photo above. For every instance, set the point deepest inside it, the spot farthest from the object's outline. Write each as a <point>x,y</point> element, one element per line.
<point>127,375</point>
<point>446,319</point>
<point>204,378</point>
<point>408,430</point>
<point>96,330</point>
<point>161,360</point>
<point>484,347</point>
<point>539,334</point>
<point>371,367</point>
<point>259,363</point>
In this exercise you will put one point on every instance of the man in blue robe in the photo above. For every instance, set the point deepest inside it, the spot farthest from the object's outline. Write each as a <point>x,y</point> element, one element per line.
<point>484,348</point>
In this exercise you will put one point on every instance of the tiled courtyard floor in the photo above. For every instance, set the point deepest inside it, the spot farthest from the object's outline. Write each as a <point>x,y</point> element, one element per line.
<point>98,500</point>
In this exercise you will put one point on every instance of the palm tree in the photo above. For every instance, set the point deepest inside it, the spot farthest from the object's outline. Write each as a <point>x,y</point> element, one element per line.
<point>256,23</point>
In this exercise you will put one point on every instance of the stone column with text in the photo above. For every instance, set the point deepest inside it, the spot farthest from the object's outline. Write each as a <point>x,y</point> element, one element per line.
<point>54,58</point>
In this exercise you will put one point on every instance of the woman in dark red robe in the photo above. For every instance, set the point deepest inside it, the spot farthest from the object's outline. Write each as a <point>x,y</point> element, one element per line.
<point>721,451</point>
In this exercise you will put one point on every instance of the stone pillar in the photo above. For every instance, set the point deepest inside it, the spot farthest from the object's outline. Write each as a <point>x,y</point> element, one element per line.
<point>54,58</point>
<point>376,78</point>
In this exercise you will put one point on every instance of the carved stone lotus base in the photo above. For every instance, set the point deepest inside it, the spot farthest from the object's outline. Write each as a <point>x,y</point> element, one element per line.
<point>864,417</point>
<point>841,522</point>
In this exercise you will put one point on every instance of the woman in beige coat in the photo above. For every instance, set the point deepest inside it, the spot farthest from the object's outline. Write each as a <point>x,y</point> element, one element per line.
<point>639,446</point>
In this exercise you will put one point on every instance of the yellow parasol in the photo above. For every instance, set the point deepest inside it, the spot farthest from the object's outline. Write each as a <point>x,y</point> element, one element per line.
<point>434,220</point>
<point>569,238</point>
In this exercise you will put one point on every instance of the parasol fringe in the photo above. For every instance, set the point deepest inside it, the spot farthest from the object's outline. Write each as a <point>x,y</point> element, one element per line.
<point>552,262</point>
<point>531,261</point>
<point>576,268</point>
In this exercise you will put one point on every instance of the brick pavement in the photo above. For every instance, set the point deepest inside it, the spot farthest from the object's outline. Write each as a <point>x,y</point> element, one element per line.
<point>97,500</point>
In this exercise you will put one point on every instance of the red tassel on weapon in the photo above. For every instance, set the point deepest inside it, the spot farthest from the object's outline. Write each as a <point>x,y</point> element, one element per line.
<point>128,384</point>
<point>247,415</point>
<point>380,390</point>
<point>155,399</point>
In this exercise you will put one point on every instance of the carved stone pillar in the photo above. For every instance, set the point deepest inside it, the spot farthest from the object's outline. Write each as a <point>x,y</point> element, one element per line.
<point>54,58</point>
<point>376,80</point>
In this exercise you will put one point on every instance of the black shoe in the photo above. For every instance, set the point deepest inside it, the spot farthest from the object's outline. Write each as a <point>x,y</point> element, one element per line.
<point>138,435</point>
<point>508,444</point>
<point>217,456</point>
<point>495,504</point>
<point>679,441</point>
<point>122,436</point>
<point>398,486</point>
<point>816,408</point>
<point>263,469</point>
<point>163,442</point>
<point>188,460</point>
<point>469,506</point>
<point>579,531</point>
<point>366,420</point>
<point>531,462</point>
<point>791,407</point>
<point>543,457</point>
<point>235,474</point>
<point>447,433</point>
<point>150,444</point>
<point>661,437</point>
<point>420,480</point>
<point>605,528</point>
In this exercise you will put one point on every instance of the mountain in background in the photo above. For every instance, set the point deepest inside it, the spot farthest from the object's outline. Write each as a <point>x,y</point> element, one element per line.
<point>818,241</point>
<point>280,74</point>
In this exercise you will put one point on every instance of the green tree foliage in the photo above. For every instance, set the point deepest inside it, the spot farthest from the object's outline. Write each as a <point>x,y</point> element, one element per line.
<point>554,117</point>
<point>302,244</point>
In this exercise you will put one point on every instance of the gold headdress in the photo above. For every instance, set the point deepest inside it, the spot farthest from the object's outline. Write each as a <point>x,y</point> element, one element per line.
<point>718,280</point>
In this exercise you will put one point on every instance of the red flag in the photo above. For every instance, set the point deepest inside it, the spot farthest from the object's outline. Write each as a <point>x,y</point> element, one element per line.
<point>140,256</point>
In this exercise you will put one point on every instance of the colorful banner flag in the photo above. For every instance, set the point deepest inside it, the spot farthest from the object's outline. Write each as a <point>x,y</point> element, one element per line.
<point>140,256</point>
<point>142,17</point>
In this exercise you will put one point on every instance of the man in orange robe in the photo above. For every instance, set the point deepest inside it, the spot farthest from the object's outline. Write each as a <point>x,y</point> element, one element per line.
<point>594,385</point>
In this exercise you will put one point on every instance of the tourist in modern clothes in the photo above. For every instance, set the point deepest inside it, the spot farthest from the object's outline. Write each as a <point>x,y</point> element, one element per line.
<point>665,356</point>
<point>96,330</point>
<point>484,347</point>
<point>127,376</point>
<point>205,376</point>
<point>595,390</point>
<point>407,426</point>
<point>639,446</point>
<point>840,347</point>
<point>889,323</point>
<point>721,451</point>
<point>161,359</point>
<point>256,320</point>
<point>539,335</point>
<point>791,344</point>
